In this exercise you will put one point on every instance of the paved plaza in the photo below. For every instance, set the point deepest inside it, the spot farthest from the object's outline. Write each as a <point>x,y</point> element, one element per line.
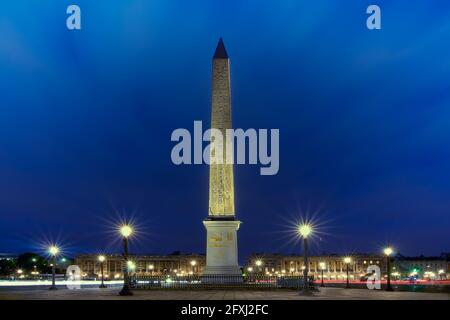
<point>280,294</point>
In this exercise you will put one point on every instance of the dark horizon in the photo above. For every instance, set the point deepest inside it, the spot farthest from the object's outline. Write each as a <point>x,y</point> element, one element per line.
<point>86,119</point>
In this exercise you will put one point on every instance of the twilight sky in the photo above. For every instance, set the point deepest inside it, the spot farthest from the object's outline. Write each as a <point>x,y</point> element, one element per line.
<point>86,118</point>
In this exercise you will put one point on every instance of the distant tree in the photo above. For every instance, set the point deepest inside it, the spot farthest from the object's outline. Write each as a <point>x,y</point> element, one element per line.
<point>30,261</point>
<point>7,267</point>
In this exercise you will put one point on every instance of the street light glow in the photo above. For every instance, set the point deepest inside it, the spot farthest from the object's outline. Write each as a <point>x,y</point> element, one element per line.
<point>53,250</point>
<point>258,263</point>
<point>193,263</point>
<point>305,230</point>
<point>388,251</point>
<point>101,258</point>
<point>347,260</point>
<point>131,265</point>
<point>322,265</point>
<point>126,231</point>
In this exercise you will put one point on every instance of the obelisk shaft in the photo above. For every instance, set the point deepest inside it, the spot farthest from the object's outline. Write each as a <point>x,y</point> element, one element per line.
<point>221,225</point>
<point>221,184</point>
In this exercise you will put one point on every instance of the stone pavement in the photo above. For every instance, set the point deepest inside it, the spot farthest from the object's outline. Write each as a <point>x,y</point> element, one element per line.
<point>112,294</point>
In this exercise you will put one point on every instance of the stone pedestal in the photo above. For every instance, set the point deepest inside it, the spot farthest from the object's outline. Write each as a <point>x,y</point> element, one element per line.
<point>221,249</point>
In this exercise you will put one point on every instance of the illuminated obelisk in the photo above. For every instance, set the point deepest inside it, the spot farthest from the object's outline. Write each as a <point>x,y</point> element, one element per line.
<point>221,224</point>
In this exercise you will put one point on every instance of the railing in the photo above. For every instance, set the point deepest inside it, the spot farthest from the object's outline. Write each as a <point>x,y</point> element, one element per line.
<point>216,282</point>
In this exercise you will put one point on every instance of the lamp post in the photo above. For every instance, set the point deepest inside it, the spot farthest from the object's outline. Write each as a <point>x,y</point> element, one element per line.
<point>322,266</point>
<point>347,261</point>
<point>126,231</point>
<point>387,252</point>
<point>259,263</point>
<point>102,259</point>
<point>53,250</point>
<point>305,230</point>
<point>151,268</point>
<point>131,267</point>
<point>193,264</point>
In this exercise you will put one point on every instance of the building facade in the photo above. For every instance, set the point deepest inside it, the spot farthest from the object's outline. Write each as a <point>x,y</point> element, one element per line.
<point>422,267</point>
<point>175,264</point>
<point>334,267</point>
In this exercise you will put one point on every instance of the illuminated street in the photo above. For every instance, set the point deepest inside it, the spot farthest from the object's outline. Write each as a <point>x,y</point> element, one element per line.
<point>113,293</point>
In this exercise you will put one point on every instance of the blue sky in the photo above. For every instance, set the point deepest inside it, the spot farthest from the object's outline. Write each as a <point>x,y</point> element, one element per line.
<point>86,118</point>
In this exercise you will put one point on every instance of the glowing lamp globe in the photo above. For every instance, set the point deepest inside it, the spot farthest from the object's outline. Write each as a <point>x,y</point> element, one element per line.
<point>388,251</point>
<point>305,230</point>
<point>347,260</point>
<point>131,265</point>
<point>126,231</point>
<point>53,250</point>
<point>101,258</point>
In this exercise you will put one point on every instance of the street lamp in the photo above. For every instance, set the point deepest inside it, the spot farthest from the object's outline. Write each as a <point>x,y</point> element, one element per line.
<point>131,265</point>
<point>387,252</point>
<point>126,231</point>
<point>305,230</point>
<point>53,250</point>
<point>193,264</point>
<point>102,259</point>
<point>347,261</point>
<point>322,266</point>
<point>259,263</point>
<point>151,268</point>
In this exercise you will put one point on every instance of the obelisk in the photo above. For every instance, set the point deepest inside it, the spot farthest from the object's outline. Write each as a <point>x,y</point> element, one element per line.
<point>221,224</point>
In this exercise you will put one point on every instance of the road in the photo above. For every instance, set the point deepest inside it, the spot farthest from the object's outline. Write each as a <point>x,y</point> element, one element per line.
<point>111,293</point>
